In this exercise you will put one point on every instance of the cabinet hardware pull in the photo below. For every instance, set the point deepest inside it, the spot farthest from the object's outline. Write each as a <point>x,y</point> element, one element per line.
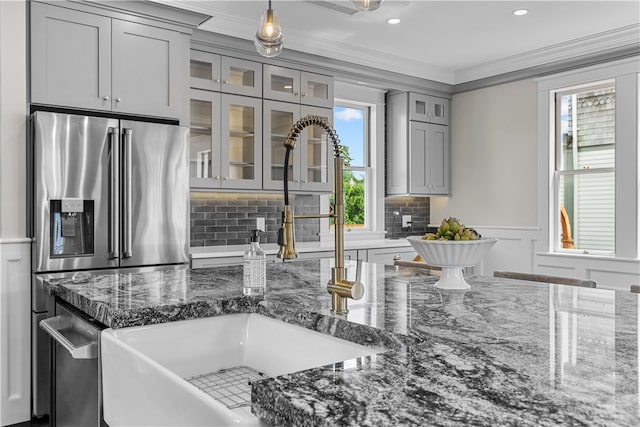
<point>106,98</point>
<point>217,177</point>
<point>226,82</point>
<point>225,178</point>
<point>114,185</point>
<point>128,194</point>
<point>118,99</point>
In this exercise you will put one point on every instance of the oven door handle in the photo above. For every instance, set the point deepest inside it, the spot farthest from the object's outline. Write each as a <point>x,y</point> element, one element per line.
<point>54,326</point>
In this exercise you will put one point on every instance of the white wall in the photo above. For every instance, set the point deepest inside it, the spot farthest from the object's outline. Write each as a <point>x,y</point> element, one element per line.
<point>15,266</point>
<point>13,119</point>
<point>493,157</point>
<point>500,185</point>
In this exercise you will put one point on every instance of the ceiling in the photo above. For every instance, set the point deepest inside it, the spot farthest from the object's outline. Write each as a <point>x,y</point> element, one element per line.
<point>447,41</point>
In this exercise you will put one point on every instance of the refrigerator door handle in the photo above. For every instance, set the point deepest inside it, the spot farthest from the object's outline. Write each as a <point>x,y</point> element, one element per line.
<point>127,209</point>
<point>114,187</point>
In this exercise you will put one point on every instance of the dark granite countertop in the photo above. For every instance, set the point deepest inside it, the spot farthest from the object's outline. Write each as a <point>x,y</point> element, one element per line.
<point>503,353</point>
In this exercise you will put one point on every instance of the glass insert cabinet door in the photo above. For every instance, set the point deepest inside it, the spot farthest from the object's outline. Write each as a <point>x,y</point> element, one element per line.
<point>204,70</point>
<point>316,89</point>
<point>310,163</point>
<point>204,149</point>
<point>430,109</point>
<point>285,84</point>
<point>241,77</point>
<point>278,119</point>
<point>316,166</point>
<point>225,142</point>
<point>241,142</point>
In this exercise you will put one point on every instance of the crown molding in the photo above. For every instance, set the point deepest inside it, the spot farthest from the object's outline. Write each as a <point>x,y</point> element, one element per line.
<point>621,38</point>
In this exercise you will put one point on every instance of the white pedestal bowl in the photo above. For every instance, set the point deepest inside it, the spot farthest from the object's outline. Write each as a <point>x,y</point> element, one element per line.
<point>451,256</point>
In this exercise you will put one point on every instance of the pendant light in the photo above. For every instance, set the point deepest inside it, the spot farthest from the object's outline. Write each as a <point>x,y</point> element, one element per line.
<point>367,5</point>
<point>268,38</point>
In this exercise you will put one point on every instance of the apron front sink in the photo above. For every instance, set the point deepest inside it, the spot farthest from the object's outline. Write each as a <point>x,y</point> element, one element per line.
<point>198,372</point>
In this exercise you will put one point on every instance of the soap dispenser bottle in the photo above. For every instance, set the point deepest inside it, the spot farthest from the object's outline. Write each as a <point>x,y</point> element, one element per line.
<point>255,268</point>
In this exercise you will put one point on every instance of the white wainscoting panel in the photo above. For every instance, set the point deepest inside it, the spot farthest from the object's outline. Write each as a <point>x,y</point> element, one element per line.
<point>513,250</point>
<point>15,331</point>
<point>517,250</point>
<point>608,273</point>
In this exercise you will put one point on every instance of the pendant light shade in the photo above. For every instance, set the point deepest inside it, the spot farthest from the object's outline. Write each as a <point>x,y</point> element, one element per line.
<point>269,37</point>
<point>367,5</point>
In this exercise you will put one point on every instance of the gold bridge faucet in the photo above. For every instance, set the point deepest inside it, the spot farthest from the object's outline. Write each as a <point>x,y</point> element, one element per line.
<point>339,287</point>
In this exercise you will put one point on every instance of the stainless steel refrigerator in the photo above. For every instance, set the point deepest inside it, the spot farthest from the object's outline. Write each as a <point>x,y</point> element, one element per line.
<point>107,193</point>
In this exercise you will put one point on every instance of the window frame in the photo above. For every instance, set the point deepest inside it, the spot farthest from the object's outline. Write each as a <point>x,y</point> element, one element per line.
<point>374,98</point>
<point>626,74</point>
<point>366,168</point>
<point>558,172</point>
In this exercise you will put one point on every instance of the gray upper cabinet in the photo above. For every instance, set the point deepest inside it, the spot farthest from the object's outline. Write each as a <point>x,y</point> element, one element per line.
<point>205,70</point>
<point>289,85</point>
<point>226,141</point>
<point>418,153</point>
<point>429,109</point>
<point>210,71</point>
<point>311,161</point>
<point>70,58</point>
<point>146,70</point>
<point>88,61</point>
<point>428,158</point>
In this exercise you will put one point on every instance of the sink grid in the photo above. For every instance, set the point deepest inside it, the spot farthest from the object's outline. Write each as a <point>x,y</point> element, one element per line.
<point>232,386</point>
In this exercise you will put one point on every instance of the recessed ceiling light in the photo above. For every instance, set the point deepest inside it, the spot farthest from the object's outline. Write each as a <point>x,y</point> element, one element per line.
<point>520,12</point>
<point>393,21</point>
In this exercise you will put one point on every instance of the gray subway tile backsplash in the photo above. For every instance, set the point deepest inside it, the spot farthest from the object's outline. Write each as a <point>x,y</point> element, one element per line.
<point>221,219</point>
<point>417,207</point>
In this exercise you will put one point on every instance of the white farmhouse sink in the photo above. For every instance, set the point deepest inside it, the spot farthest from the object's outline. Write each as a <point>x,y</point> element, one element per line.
<point>145,369</point>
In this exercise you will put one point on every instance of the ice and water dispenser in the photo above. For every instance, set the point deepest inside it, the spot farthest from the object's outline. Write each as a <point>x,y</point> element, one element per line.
<point>72,227</point>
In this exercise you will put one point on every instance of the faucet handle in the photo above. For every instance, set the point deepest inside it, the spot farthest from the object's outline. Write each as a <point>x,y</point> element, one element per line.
<point>357,288</point>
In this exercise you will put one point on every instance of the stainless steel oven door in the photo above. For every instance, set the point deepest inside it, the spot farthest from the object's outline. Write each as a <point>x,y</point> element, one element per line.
<point>77,395</point>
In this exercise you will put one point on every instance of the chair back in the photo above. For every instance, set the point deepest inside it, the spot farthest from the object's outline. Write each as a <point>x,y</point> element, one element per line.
<point>585,283</point>
<point>415,264</point>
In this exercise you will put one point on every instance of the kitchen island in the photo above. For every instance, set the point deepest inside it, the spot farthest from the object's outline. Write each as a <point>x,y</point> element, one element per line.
<point>503,353</point>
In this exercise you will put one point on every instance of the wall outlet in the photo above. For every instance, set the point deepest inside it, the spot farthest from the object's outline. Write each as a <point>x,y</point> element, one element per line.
<point>406,221</point>
<point>260,224</point>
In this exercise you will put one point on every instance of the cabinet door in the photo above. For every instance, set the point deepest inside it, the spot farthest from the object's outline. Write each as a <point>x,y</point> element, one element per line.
<point>70,58</point>
<point>439,111</point>
<point>430,109</point>
<point>241,77</point>
<point>241,142</point>
<point>316,153</point>
<point>281,84</point>
<point>146,70</point>
<point>316,89</point>
<point>439,159</point>
<point>428,159</point>
<point>419,107</point>
<point>278,119</point>
<point>205,70</point>
<point>204,147</point>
